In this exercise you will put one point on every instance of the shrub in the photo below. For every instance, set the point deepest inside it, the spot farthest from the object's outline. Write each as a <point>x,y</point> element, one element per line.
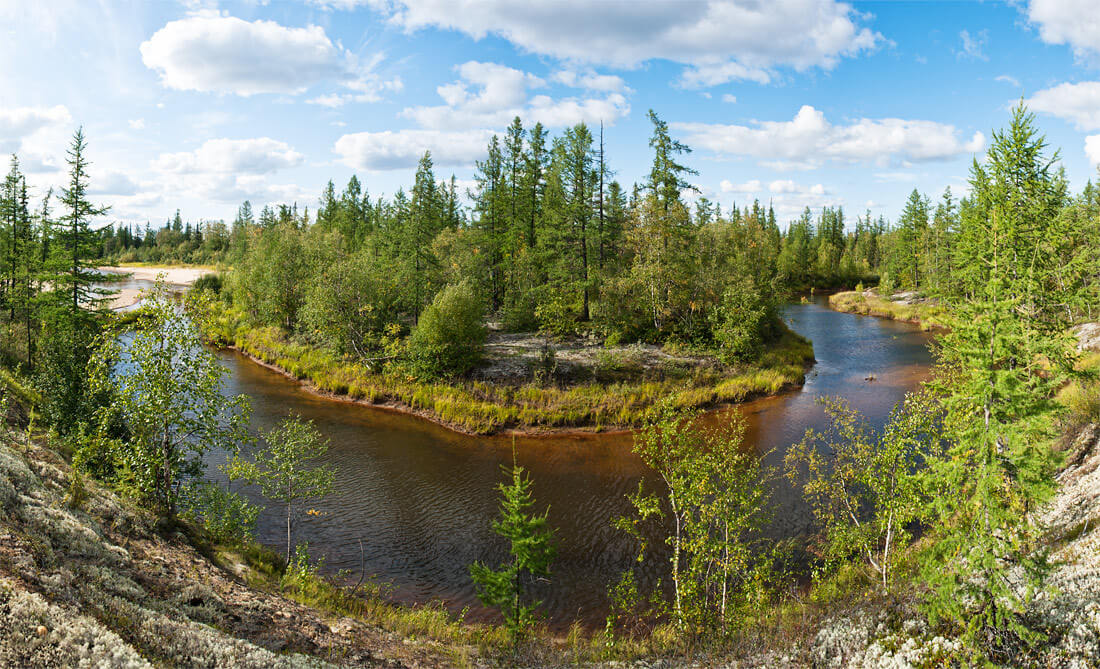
<point>740,323</point>
<point>208,282</point>
<point>449,338</point>
<point>226,515</point>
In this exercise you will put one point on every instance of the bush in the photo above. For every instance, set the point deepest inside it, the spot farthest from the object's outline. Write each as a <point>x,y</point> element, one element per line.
<point>449,338</point>
<point>208,282</point>
<point>226,515</point>
<point>740,323</point>
<point>349,306</point>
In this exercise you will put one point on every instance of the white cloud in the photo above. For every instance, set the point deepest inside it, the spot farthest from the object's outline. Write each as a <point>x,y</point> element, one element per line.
<point>401,149</point>
<point>113,183</point>
<point>590,80</point>
<point>136,123</point>
<point>809,140</point>
<point>39,135</point>
<point>1008,79</point>
<point>491,95</point>
<point>719,40</point>
<point>19,123</point>
<point>1079,103</point>
<point>973,45</point>
<point>731,99</point>
<point>753,186</point>
<point>783,186</point>
<point>261,155</point>
<point>1092,149</point>
<point>786,186</point>
<point>223,54</point>
<point>1072,22</point>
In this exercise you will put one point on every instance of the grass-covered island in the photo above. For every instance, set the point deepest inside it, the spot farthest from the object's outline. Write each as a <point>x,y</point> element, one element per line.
<point>531,382</point>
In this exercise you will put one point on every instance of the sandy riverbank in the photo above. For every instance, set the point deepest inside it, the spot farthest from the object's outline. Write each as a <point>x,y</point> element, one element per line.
<point>173,276</point>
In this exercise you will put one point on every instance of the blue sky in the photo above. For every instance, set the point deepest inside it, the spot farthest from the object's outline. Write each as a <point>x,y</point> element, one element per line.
<point>200,105</point>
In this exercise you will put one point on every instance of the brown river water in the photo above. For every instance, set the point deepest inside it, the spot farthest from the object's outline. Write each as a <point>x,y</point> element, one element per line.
<point>421,498</point>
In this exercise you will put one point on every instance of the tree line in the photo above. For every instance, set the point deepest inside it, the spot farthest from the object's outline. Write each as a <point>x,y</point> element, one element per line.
<point>961,465</point>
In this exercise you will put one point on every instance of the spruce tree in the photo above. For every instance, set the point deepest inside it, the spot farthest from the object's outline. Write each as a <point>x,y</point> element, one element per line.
<point>73,272</point>
<point>999,366</point>
<point>531,549</point>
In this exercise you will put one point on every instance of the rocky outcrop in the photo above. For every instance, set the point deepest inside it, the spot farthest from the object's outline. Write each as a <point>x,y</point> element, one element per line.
<point>86,580</point>
<point>1088,336</point>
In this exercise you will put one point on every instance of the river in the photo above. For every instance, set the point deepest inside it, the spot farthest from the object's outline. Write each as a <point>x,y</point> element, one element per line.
<point>421,498</point>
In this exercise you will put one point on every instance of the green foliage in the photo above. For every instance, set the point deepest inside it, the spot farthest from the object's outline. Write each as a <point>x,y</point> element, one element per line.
<point>166,390</point>
<point>532,552</point>
<point>68,399</point>
<point>449,338</point>
<point>741,322</point>
<point>999,367</point>
<point>227,516</point>
<point>350,304</point>
<point>281,469</point>
<point>865,488</point>
<point>209,282</point>
<point>715,496</point>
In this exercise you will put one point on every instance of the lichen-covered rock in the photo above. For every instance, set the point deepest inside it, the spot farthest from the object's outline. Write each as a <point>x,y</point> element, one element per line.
<point>1088,336</point>
<point>93,585</point>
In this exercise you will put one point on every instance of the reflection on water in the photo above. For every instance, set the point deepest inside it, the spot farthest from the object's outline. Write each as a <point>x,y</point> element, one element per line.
<point>421,498</point>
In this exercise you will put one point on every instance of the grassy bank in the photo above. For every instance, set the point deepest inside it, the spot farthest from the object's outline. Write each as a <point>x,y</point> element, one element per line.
<point>484,408</point>
<point>928,315</point>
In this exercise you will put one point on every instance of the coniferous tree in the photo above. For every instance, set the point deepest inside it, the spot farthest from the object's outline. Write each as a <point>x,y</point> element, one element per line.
<point>72,270</point>
<point>1000,364</point>
<point>531,549</point>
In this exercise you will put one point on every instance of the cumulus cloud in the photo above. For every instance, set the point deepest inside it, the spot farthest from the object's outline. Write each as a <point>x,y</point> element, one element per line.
<point>590,80</point>
<point>1092,149</point>
<point>19,123</point>
<point>37,134</point>
<point>215,53</point>
<point>113,183</point>
<point>752,186</point>
<point>729,99</point>
<point>401,149</point>
<point>226,170</point>
<point>809,140</point>
<point>491,95</point>
<point>1077,103</point>
<point>719,40</point>
<point>786,186</point>
<point>261,155</point>
<point>1075,23</point>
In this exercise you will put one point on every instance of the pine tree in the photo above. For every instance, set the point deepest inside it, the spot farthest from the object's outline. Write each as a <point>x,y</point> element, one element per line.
<point>423,223</point>
<point>73,273</point>
<point>1000,364</point>
<point>490,204</point>
<point>667,177</point>
<point>532,550</point>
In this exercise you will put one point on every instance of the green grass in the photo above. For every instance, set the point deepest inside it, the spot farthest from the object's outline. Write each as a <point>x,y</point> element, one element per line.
<point>484,408</point>
<point>928,316</point>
